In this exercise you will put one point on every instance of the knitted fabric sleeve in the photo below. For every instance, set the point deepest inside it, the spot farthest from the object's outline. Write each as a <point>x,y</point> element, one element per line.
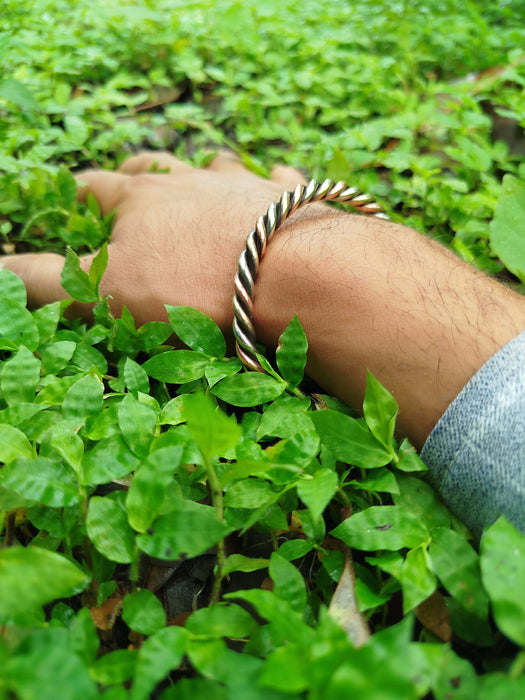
<point>476,452</point>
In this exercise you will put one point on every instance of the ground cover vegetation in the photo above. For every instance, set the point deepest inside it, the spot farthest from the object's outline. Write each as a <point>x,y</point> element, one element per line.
<point>172,525</point>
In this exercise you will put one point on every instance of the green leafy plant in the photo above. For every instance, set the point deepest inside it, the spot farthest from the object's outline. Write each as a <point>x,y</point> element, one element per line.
<point>99,474</point>
<point>172,525</point>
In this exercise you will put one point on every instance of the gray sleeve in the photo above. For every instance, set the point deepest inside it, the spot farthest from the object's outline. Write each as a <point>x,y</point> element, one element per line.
<point>476,452</point>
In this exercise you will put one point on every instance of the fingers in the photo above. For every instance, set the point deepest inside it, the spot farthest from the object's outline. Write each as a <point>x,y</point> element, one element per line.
<point>153,161</point>
<point>40,273</point>
<point>227,162</point>
<point>108,188</point>
<point>288,177</point>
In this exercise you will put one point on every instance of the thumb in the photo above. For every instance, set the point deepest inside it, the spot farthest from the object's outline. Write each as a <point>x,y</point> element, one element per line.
<point>40,272</point>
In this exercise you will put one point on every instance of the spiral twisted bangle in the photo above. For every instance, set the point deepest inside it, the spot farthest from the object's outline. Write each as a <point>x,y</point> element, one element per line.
<point>256,243</point>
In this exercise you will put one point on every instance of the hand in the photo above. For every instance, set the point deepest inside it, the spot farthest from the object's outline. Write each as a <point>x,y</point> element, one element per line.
<point>177,234</point>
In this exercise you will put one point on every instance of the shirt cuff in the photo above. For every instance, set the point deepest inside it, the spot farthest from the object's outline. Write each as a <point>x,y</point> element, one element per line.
<point>476,452</point>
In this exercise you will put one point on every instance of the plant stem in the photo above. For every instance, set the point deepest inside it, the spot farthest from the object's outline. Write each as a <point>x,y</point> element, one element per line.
<point>134,568</point>
<point>218,504</point>
<point>297,392</point>
<point>9,538</point>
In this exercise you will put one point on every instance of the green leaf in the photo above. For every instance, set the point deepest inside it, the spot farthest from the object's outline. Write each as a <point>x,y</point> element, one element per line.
<point>86,357</point>
<point>294,549</point>
<point>470,154</point>
<point>377,480</point>
<point>68,445</point>
<point>126,336</point>
<point>40,480</point>
<point>17,324</point>
<point>109,459</point>
<point>267,367</point>
<point>349,440</point>
<point>503,574</point>
<point>238,562</point>
<point>409,460</point>
<point>75,281</point>
<point>315,530</point>
<point>84,639</point>
<point>138,423</point>
<point>190,529</point>
<point>41,421</point>
<point>5,40</point>
<point>54,665</point>
<point>379,669</point>
<point>248,389</point>
<point>367,598</point>
<point>297,451</point>
<point>54,391</point>
<point>98,267</point>
<point>171,413</point>
<point>12,287</point>
<point>16,92</point>
<point>250,493</point>
<point>56,356</point>
<point>221,620</point>
<point>115,667</point>
<point>497,686</point>
<point>287,670</point>
<point>287,623</point>
<point>108,528</point>
<point>218,369</point>
<point>317,492</point>
<point>291,353</point>
<point>416,495</point>
<point>158,655</point>
<point>451,676</point>
<point>67,186</point>
<point>177,366</point>
<point>20,375</point>
<point>19,413</point>
<point>417,580</point>
<point>153,334</point>
<point>507,229</point>
<point>380,411</point>
<point>13,444</point>
<point>105,424</point>
<point>457,565</point>
<point>196,330</point>
<point>285,417</point>
<point>288,582</point>
<point>251,461</point>
<point>135,377</point>
<point>214,432</point>
<point>142,611</point>
<point>147,491</point>
<point>83,399</point>
<point>382,527</point>
<point>33,577</point>
<point>239,672</point>
<point>76,129</point>
<point>469,626</point>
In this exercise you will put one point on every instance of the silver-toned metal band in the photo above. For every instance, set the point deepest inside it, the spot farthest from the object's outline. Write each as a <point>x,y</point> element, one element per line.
<point>258,239</point>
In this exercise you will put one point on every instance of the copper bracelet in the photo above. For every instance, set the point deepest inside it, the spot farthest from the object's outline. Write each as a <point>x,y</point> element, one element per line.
<point>256,243</point>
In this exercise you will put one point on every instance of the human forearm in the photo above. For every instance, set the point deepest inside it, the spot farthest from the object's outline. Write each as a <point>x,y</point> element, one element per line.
<point>378,296</point>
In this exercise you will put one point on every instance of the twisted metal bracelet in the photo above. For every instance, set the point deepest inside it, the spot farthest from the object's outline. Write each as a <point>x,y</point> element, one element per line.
<point>256,243</point>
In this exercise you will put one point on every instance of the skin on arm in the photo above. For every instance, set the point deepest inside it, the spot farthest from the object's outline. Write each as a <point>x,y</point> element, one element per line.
<point>371,295</point>
<point>379,296</point>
